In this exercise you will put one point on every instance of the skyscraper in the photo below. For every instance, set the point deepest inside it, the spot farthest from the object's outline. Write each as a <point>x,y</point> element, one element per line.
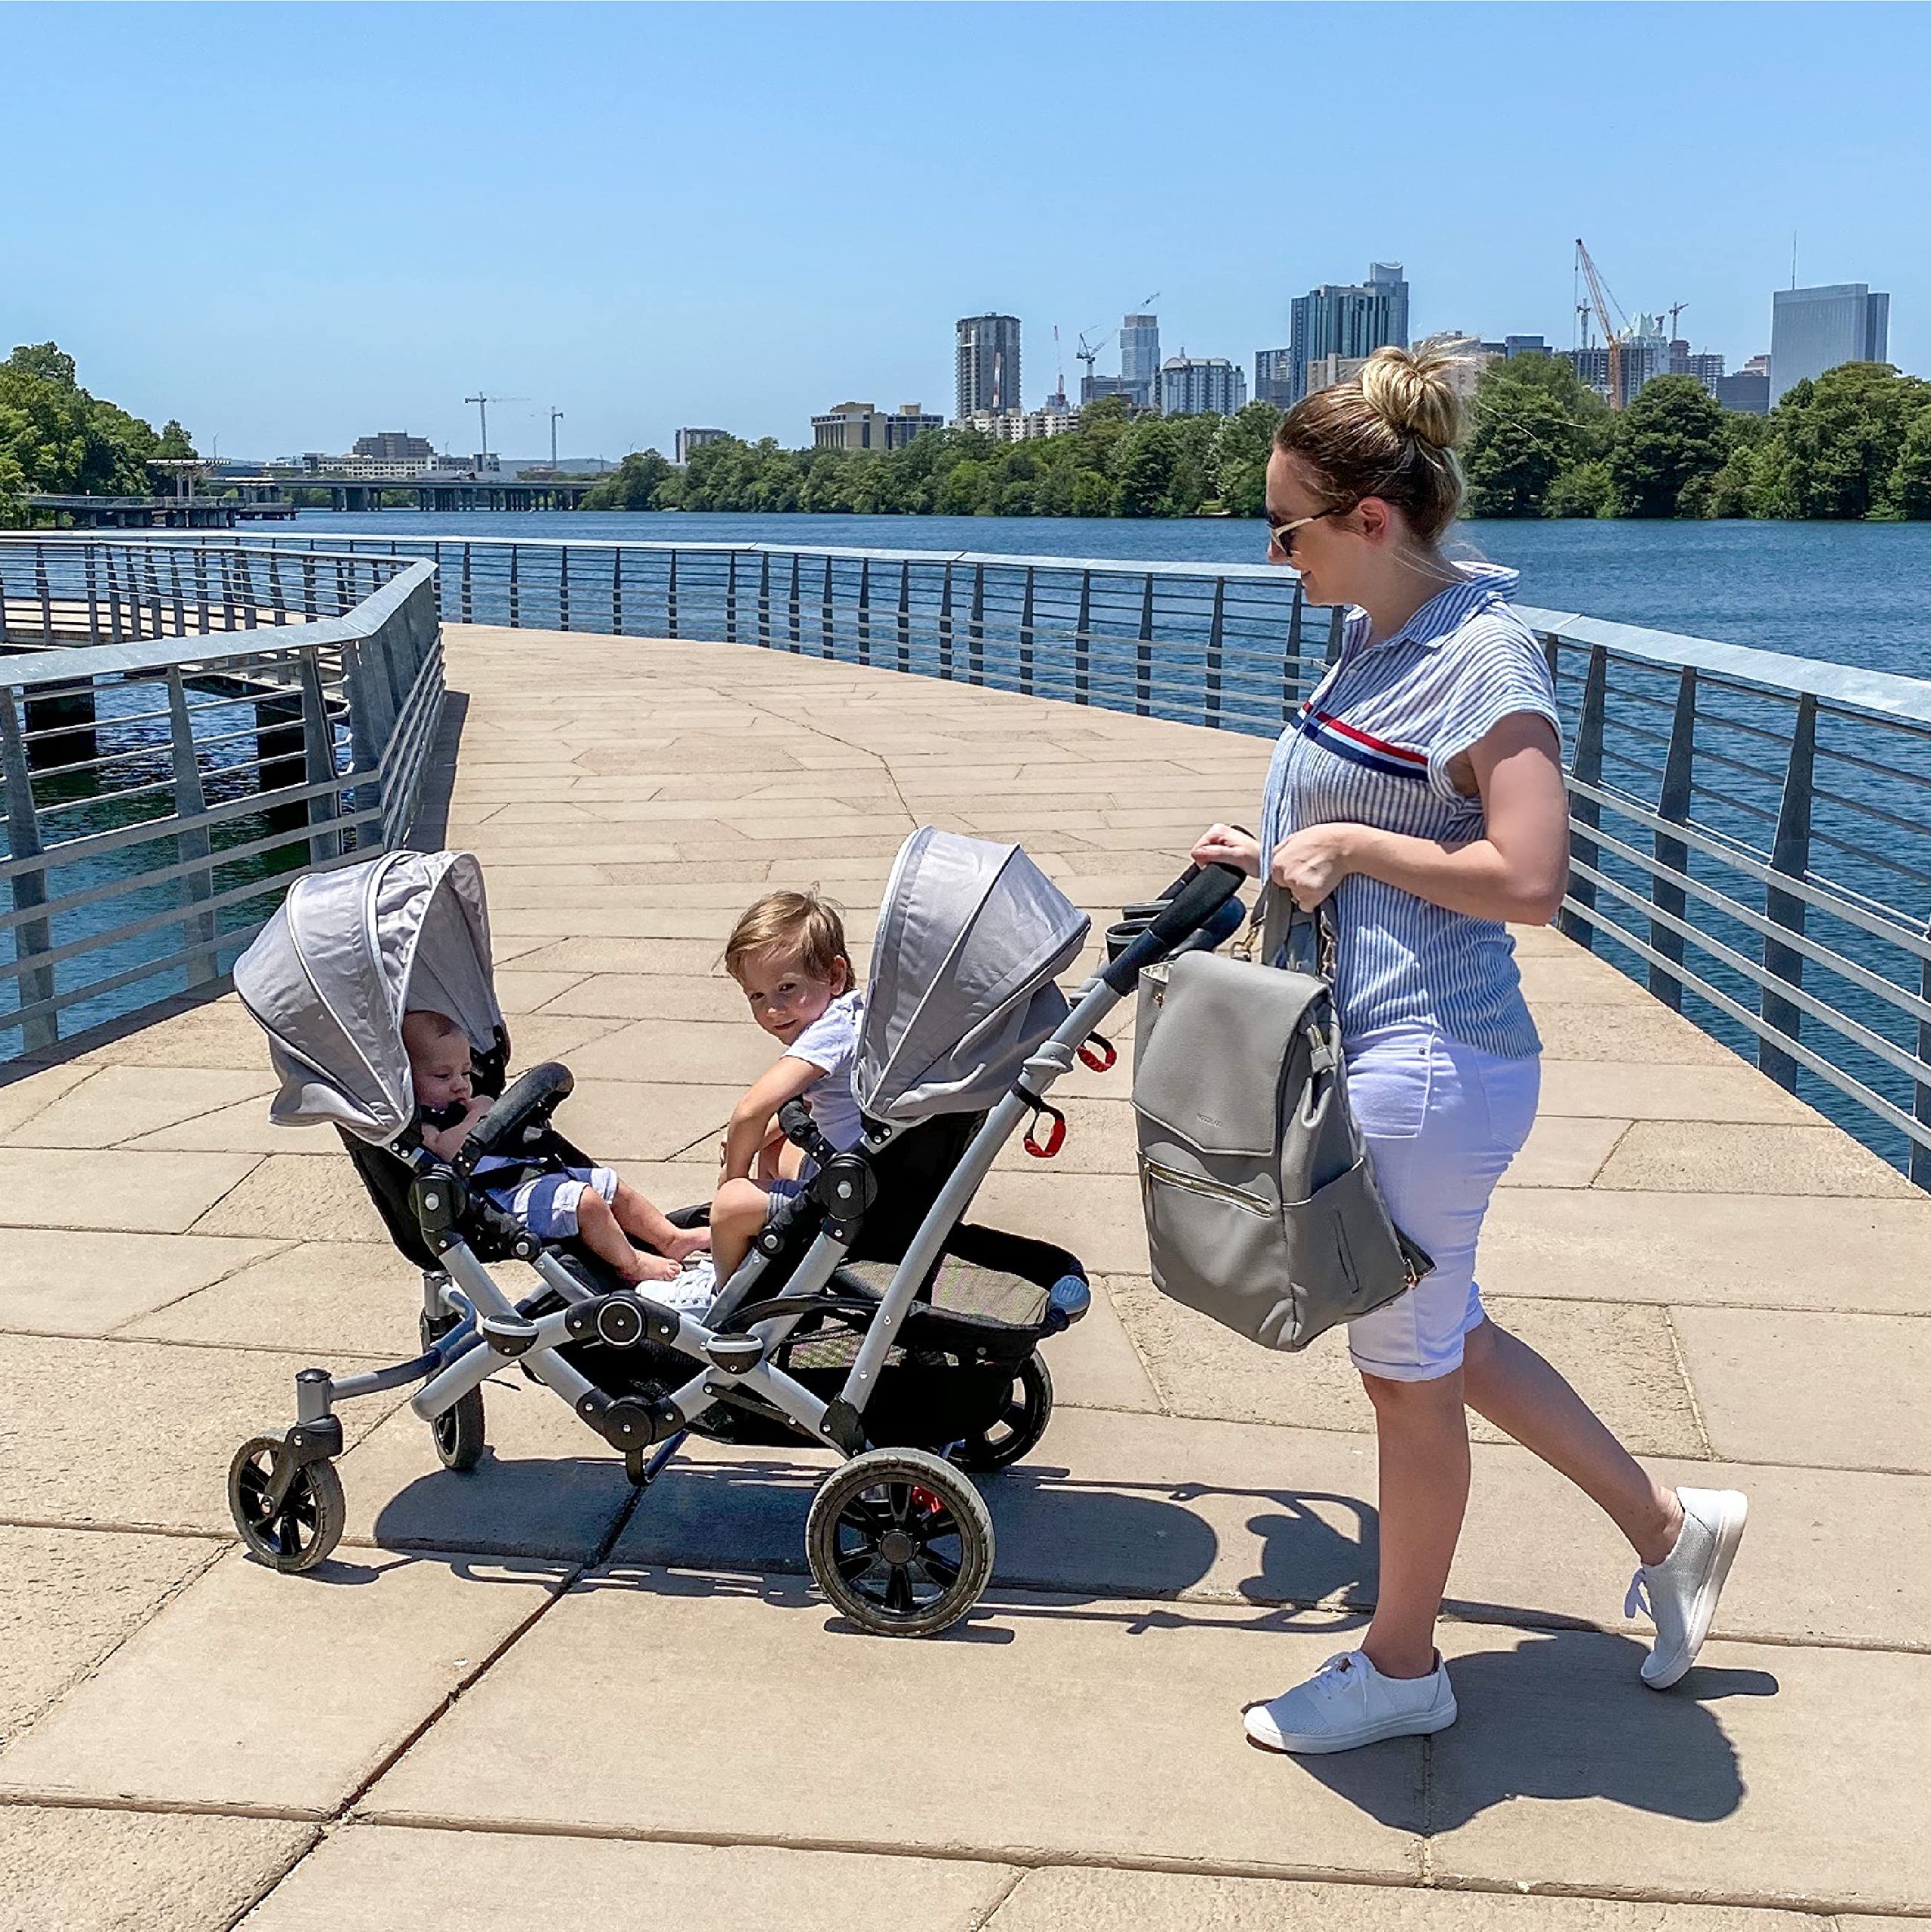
<point>1139,358</point>
<point>1201,385</point>
<point>1815,329</point>
<point>1347,319</point>
<point>1274,376</point>
<point>989,363</point>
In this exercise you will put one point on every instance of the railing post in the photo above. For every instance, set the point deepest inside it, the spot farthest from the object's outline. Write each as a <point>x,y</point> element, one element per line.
<point>93,598</point>
<point>730,600</point>
<point>180,595</point>
<point>463,605</point>
<point>1217,633</point>
<point>277,597</point>
<point>318,745</point>
<point>946,627</point>
<point>1920,1155</point>
<point>1026,636</point>
<point>1584,814</point>
<point>30,937</point>
<point>904,615</point>
<point>1083,643</point>
<point>1789,854</point>
<point>1673,804</point>
<point>45,591</point>
<point>616,590</point>
<point>191,846</point>
<point>764,599</point>
<point>516,590</point>
<point>563,586</point>
<point>250,616</point>
<point>670,599</point>
<point>865,611</point>
<point>826,646</point>
<point>1143,654</point>
<point>308,590</point>
<point>797,637</point>
<point>975,628</point>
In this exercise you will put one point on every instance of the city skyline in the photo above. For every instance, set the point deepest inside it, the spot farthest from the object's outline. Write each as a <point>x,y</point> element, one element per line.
<point>642,286</point>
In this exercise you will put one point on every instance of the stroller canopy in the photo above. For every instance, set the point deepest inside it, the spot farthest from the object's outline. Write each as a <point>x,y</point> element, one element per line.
<point>350,951</point>
<point>970,937</point>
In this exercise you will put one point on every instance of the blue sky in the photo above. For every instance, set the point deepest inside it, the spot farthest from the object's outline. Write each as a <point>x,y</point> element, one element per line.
<point>290,225</point>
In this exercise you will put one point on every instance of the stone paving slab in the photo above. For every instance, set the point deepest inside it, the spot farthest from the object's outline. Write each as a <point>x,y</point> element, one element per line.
<point>75,1281</point>
<point>389,1878</point>
<point>139,1433</point>
<point>1616,1090</point>
<point>1723,1157</point>
<point>96,1188</point>
<point>253,1690</point>
<point>66,1870</point>
<point>67,1597</point>
<point>118,1103</point>
<point>1769,1777</point>
<point>295,1195</point>
<point>26,1090</point>
<point>1648,1035</point>
<point>1072,1899</point>
<point>649,996</point>
<point>1008,1735</point>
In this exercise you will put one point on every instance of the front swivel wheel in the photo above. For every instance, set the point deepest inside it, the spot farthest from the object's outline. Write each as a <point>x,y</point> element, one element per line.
<point>298,1532</point>
<point>900,1541</point>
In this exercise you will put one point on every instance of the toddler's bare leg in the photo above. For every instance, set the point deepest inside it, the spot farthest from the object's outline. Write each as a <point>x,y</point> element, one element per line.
<point>736,1215</point>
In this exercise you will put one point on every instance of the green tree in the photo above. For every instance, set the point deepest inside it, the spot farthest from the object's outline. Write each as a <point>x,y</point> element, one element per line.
<point>1670,437</point>
<point>632,485</point>
<point>62,441</point>
<point>1237,468</point>
<point>1146,471</point>
<point>1910,485</point>
<point>1584,489</point>
<point>176,442</point>
<point>1835,443</point>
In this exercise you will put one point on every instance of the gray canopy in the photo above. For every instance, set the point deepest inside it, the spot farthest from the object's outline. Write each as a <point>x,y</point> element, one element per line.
<point>330,977</point>
<point>971,935</point>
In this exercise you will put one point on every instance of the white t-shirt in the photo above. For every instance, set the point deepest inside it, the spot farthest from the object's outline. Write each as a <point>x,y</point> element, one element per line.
<point>831,1042</point>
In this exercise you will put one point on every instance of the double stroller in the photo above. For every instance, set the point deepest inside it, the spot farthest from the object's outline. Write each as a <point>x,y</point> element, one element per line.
<point>868,1317</point>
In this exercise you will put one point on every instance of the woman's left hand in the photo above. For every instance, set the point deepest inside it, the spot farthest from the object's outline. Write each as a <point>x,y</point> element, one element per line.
<point>1311,862</point>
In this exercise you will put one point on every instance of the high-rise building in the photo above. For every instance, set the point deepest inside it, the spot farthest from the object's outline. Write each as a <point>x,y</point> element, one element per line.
<point>862,426</point>
<point>1349,320</point>
<point>1748,391</point>
<point>1097,389</point>
<point>1513,346</point>
<point>397,446</point>
<point>1815,329</point>
<point>989,365</point>
<point>1466,355</point>
<point>1139,358</point>
<point>1201,385</point>
<point>1758,365</point>
<point>1324,372</point>
<point>688,440</point>
<point>1388,276</point>
<point>1274,376</point>
<point>1591,365</point>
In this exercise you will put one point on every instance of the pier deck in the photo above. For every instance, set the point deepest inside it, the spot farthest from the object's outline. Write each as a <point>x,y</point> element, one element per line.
<point>522,1698</point>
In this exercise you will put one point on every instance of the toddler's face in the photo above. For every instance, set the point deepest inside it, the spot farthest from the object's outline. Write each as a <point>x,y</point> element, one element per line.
<point>441,1071</point>
<point>784,998</point>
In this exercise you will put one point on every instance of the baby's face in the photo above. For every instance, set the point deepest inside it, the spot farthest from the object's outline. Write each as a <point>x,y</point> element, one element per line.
<point>784,998</point>
<point>441,1071</point>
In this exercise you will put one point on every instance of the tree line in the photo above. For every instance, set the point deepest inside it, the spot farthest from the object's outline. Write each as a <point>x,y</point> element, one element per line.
<point>1856,442</point>
<point>58,439</point>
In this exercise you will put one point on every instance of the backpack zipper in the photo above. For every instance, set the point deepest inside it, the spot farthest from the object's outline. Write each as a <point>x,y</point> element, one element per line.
<point>1213,1190</point>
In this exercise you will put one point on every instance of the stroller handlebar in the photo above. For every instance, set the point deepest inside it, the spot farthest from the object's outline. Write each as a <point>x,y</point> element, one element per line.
<point>530,1100</point>
<point>1195,901</point>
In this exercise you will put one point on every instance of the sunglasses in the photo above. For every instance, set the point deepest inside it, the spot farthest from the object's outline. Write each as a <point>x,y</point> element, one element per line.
<point>1281,535</point>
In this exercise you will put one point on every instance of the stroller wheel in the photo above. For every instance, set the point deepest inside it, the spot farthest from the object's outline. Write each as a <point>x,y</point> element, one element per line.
<point>1028,1409</point>
<point>460,1432</point>
<point>900,1541</point>
<point>308,1525</point>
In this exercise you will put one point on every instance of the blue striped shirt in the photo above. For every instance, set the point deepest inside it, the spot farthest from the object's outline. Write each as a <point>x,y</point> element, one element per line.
<point>1373,746</point>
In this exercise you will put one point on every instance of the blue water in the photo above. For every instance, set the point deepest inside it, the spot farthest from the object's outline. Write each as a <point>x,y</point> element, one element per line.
<point>1856,593</point>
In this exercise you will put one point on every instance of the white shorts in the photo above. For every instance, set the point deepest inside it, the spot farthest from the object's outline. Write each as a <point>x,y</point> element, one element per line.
<point>1442,1120</point>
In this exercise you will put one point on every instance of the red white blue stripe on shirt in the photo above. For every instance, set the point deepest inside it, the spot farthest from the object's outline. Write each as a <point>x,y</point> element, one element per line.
<point>1359,747</point>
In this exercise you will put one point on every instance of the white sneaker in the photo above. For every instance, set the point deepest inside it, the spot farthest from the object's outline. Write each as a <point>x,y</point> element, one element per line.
<point>1679,1595</point>
<point>692,1292</point>
<point>1348,1702</point>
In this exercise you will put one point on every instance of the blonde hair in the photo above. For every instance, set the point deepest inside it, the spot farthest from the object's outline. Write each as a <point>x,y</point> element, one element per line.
<point>801,924</point>
<point>1390,432</point>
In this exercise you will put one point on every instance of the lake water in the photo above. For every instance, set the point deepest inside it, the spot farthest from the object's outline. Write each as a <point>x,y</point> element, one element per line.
<point>1860,593</point>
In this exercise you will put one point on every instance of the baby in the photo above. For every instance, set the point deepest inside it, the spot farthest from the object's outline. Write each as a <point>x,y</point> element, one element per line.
<point>590,1204</point>
<point>788,955</point>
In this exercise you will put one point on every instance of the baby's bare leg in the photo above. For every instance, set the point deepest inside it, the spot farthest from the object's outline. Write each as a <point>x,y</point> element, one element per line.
<point>641,1219</point>
<point>597,1228</point>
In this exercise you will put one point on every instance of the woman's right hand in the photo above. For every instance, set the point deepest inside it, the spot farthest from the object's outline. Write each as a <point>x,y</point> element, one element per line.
<point>1228,845</point>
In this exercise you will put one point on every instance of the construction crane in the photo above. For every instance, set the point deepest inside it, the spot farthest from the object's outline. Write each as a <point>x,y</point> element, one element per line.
<point>1059,369</point>
<point>1602,300</point>
<point>1088,352</point>
<point>1675,309</point>
<point>556,417</point>
<point>482,403</point>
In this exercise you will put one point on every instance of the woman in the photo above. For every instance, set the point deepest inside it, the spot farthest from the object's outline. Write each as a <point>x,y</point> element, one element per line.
<point>1418,796</point>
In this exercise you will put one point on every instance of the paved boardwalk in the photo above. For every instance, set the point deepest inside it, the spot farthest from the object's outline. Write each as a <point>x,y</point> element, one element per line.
<point>516,1699</point>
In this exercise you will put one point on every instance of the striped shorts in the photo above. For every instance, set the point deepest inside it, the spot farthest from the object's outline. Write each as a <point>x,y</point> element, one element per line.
<point>547,1204</point>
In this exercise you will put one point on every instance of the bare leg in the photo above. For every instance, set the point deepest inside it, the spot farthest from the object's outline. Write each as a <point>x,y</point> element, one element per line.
<point>736,1215</point>
<point>597,1228</point>
<point>1422,1435</point>
<point>1506,1380</point>
<point>641,1221</point>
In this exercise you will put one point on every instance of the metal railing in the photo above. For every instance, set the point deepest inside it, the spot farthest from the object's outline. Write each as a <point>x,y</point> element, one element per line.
<point>160,794</point>
<point>1751,831</point>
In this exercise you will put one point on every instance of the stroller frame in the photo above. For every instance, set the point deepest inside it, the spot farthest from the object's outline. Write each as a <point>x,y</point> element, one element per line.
<point>926,1524</point>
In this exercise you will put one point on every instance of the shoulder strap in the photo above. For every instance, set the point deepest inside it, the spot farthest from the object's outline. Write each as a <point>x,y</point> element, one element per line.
<point>1303,942</point>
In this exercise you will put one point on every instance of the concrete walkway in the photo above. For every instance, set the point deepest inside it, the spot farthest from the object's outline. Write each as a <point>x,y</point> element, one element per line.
<point>516,1699</point>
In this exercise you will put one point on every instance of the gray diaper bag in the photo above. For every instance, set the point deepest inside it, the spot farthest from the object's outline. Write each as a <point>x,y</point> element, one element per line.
<point>1261,1208</point>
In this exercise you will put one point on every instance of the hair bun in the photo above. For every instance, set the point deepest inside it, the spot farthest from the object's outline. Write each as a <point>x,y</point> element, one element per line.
<point>1411,394</point>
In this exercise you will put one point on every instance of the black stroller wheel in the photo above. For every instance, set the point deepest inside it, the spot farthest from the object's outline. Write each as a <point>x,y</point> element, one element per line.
<point>461,1433</point>
<point>900,1541</point>
<point>1028,1409</point>
<point>306,1526</point>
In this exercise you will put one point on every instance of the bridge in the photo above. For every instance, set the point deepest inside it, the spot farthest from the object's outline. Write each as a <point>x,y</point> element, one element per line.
<point>526,1683</point>
<point>432,492</point>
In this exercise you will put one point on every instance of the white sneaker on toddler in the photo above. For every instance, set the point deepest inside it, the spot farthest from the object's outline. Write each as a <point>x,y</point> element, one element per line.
<point>1348,1702</point>
<point>692,1292</point>
<point>1679,1595</point>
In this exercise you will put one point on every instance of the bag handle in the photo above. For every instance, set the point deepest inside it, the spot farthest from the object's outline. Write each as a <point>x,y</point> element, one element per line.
<point>1286,935</point>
